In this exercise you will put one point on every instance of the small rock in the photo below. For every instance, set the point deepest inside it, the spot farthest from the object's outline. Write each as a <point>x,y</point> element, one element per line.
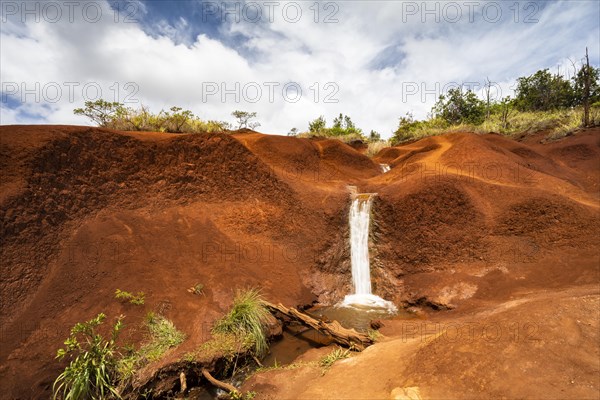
<point>408,393</point>
<point>376,324</point>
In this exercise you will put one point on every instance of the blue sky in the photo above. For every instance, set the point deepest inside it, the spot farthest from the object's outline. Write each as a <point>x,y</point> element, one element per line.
<point>290,61</point>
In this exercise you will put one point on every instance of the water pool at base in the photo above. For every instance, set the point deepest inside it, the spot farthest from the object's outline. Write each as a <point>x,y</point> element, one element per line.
<point>357,317</point>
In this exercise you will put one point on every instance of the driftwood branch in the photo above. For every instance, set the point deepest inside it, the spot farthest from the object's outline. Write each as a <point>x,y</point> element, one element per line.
<point>343,336</point>
<point>182,382</point>
<point>215,382</point>
<point>257,361</point>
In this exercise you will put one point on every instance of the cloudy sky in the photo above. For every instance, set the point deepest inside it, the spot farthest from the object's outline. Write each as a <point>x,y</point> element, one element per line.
<point>290,61</point>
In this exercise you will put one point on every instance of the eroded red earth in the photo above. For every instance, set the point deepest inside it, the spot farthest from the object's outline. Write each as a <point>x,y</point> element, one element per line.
<point>491,237</point>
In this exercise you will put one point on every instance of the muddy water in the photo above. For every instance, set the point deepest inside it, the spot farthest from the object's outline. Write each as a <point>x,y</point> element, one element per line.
<point>359,319</point>
<point>296,340</point>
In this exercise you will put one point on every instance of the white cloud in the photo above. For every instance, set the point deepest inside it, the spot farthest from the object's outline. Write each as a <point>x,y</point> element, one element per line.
<point>417,55</point>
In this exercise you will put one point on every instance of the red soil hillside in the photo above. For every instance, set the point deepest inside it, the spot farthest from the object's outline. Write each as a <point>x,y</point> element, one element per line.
<point>463,223</point>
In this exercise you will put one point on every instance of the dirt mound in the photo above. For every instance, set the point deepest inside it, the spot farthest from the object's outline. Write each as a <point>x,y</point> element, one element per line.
<point>526,153</point>
<point>434,223</point>
<point>457,208</point>
<point>389,154</point>
<point>395,156</point>
<point>553,218</point>
<point>576,152</point>
<point>74,176</point>
<point>311,160</point>
<point>461,221</point>
<point>410,156</point>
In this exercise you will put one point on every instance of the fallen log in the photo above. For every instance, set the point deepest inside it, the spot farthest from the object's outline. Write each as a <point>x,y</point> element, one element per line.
<point>343,336</point>
<point>221,385</point>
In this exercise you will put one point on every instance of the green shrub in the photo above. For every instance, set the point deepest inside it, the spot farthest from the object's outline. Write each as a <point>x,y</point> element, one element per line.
<point>318,125</point>
<point>92,372</point>
<point>137,299</point>
<point>247,318</point>
<point>543,91</point>
<point>411,129</point>
<point>342,128</point>
<point>176,120</point>
<point>458,107</point>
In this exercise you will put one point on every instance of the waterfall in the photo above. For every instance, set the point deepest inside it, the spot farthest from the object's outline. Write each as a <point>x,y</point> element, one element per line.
<point>360,218</point>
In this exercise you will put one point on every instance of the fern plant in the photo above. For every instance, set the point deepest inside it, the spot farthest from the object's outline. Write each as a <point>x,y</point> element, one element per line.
<point>92,372</point>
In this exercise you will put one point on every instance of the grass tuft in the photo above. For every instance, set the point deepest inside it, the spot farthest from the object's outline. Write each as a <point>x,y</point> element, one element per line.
<point>337,354</point>
<point>162,335</point>
<point>374,335</point>
<point>375,147</point>
<point>247,318</point>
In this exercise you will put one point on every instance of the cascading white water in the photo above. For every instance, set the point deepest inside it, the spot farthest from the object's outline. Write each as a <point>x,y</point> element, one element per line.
<point>384,167</point>
<point>360,218</point>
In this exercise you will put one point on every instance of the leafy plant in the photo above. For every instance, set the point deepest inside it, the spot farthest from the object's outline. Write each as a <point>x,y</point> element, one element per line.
<point>338,354</point>
<point>198,289</point>
<point>247,318</point>
<point>137,299</point>
<point>92,371</point>
<point>242,396</point>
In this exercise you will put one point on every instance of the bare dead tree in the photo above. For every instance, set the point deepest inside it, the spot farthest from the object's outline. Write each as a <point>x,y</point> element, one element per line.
<point>505,111</point>
<point>574,68</point>
<point>586,90</point>
<point>488,87</point>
